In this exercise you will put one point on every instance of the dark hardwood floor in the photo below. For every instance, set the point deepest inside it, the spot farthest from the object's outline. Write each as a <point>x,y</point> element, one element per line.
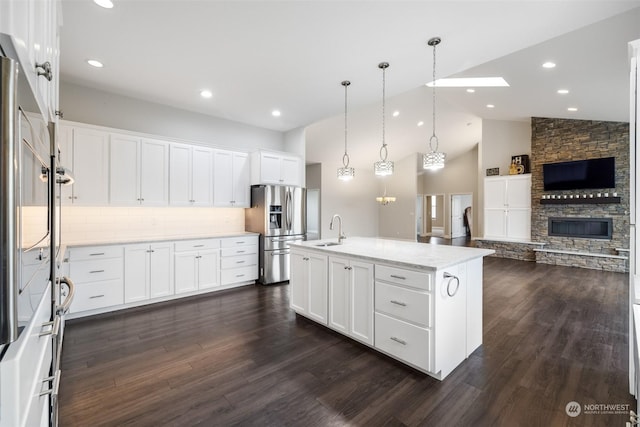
<point>552,335</point>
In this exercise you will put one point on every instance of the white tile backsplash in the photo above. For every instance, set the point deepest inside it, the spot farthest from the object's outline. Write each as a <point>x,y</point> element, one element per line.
<point>86,225</point>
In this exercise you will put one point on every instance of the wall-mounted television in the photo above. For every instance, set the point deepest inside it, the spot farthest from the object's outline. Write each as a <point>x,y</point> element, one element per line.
<point>581,174</point>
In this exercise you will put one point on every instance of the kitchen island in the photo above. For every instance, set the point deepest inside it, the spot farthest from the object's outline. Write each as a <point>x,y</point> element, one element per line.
<point>418,303</point>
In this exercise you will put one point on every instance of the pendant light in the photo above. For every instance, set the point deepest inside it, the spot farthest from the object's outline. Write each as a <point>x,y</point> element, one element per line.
<point>383,167</point>
<point>434,159</point>
<point>345,173</point>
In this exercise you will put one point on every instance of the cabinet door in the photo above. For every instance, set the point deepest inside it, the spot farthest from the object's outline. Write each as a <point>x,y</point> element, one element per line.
<point>65,158</point>
<point>339,294</point>
<point>495,222</point>
<point>136,273</point>
<point>161,270</point>
<point>202,176</point>
<point>241,181</point>
<point>519,224</point>
<point>495,193</point>
<point>518,194</point>
<point>298,282</point>
<point>361,310</point>
<point>185,268</point>
<point>317,274</point>
<point>450,318</point>
<point>290,172</point>
<point>91,167</point>
<point>222,178</point>
<point>270,168</point>
<point>154,172</point>
<point>180,175</point>
<point>208,271</point>
<point>124,168</point>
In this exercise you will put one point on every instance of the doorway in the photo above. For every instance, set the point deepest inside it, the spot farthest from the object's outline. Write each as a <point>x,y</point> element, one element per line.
<point>433,215</point>
<point>461,215</point>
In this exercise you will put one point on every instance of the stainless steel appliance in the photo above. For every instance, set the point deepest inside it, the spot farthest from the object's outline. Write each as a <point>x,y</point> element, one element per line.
<point>278,213</point>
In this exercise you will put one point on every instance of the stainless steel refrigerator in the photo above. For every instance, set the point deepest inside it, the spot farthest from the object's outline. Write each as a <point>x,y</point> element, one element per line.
<point>278,213</point>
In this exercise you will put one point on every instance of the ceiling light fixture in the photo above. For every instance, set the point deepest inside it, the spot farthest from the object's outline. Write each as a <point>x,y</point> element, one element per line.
<point>470,90</point>
<point>345,173</point>
<point>95,63</point>
<point>276,113</point>
<point>396,113</point>
<point>572,109</point>
<point>107,4</point>
<point>384,200</point>
<point>206,93</point>
<point>383,167</point>
<point>563,91</point>
<point>549,64</point>
<point>420,123</point>
<point>434,159</point>
<point>490,106</point>
<point>470,81</point>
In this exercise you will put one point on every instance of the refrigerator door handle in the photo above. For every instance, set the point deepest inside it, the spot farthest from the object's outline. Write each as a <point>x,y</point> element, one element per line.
<point>288,210</point>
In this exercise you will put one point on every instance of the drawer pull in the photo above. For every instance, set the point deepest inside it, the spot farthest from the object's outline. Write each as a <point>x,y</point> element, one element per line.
<point>398,277</point>
<point>97,254</point>
<point>239,275</point>
<point>451,278</point>
<point>398,340</point>
<point>96,271</point>
<point>403,304</point>
<point>198,246</point>
<point>240,262</point>
<point>96,296</point>
<point>240,243</point>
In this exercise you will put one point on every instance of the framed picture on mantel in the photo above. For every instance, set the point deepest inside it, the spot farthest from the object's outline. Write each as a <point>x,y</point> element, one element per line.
<point>493,171</point>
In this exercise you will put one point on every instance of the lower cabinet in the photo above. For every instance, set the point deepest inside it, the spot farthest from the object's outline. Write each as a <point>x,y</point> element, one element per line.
<point>238,260</point>
<point>197,265</point>
<point>308,284</point>
<point>148,271</point>
<point>351,298</point>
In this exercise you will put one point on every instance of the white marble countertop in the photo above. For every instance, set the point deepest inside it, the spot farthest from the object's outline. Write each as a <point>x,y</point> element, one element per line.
<point>424,256</point>
<point>136,240</point>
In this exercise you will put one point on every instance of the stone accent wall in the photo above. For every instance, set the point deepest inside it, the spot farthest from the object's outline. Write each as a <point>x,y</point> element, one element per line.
<point>558,140</point>
<point>514,250</point>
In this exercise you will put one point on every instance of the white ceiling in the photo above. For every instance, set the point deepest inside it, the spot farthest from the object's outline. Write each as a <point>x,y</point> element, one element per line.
<point>256,56</point>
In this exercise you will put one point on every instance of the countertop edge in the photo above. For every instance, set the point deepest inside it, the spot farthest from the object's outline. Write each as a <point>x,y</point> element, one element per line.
<point>159,240</point>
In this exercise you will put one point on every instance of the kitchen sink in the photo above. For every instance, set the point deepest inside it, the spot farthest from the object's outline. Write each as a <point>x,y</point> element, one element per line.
<point>328,244</point>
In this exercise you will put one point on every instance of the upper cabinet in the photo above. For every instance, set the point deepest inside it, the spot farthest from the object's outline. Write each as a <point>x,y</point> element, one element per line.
<point>190,175</point>
<point>231,179</point>
<point>507,207</point>
<point>138,171</point>
<point>269,167</point>
<point>34,28</point>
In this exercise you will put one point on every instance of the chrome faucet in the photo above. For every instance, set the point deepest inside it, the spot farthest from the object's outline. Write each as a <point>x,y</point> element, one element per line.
<point>341,235</point>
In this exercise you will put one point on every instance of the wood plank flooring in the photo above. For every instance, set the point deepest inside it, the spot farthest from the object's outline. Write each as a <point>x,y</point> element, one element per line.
<point>241,358</point>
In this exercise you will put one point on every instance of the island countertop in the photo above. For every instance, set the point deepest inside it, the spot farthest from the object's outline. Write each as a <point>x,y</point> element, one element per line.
<point>425,256</point>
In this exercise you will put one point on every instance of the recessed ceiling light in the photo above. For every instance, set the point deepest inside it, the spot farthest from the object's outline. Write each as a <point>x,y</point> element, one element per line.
<point>396,113</point>
<point>206,94</point>
<point>490,106</point>
<point>563,91</point>
<point>107,4</point>
<point>275,113</point>
<point>420,123</point>
<point>95,63</point>
<point>549,64</point>
<point>572,109</point>
<point>470,81</point>
<point>470,90</point>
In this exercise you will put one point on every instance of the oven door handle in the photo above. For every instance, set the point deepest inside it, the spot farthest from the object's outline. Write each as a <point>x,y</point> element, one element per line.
<point>64,307</point>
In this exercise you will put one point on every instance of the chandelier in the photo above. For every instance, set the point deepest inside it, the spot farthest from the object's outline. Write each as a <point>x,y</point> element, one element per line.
<point>434,159</point>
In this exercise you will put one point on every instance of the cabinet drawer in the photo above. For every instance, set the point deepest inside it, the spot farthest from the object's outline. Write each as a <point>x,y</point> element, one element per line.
<point>96,270</point>
<point>94,252</point>
<point>407,342</point>
<point>401,276</point>
<point>237,275</point>
<point>196,245</point>
<point>240,250</point>
<point>406,304</point>
<point>90,296</point>
<point>239,261</point>
<point>231,242</point>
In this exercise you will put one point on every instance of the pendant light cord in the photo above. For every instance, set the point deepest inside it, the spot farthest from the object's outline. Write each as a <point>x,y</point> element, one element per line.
<point>433,136</point>
<point>346,156</point>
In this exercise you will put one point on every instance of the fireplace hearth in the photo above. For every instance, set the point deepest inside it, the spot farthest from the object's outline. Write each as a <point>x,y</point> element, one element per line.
<point>588,228</point>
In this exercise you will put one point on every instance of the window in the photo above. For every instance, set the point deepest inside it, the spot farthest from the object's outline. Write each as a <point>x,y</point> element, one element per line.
<point>434,207</point>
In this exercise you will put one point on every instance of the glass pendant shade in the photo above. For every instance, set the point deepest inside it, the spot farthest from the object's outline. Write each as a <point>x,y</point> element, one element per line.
<point>383,167</point>
<point>345,173</point>
<point>434,159</point>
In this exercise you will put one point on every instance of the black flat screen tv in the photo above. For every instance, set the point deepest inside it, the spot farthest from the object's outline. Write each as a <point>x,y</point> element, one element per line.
<point>581,174</point>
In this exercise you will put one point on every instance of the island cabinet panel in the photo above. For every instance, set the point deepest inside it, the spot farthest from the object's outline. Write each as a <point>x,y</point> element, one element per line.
<point>308,284</point>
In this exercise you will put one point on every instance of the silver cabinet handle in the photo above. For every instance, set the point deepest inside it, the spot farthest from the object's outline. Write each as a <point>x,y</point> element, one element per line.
<point>451,278</point>
<point>239,275</point>
<point>97,254</point>
<point>398,277</point>
<point>398,340</point>
<point>240,262</point>
<point>240,252</point>
<point>55,386</point>
<point>198,246</point>
<point>96,296</point>
<point>305,258</point>
<point>404,304</point>
<point>64,307</point>
<point>44,69</point>
<point>96,271</point>
<point>55,327</point>
<point>240,243</point>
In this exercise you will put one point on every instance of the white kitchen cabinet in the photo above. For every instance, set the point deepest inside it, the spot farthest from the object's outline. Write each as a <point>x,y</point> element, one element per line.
<point>308,284</point>
<point>196,265</point>
<point>231,179</point>
<point>148,271</point>
<point>238,260</point>
<point>276,168</point>
<point>507,207</point>
<point>88,150</point>
<point>190,175</point>
<point>139,171</point>
<point>351,298</point>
